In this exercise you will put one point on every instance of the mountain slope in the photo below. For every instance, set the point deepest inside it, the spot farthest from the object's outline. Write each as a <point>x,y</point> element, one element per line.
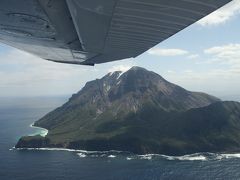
<point>126,93</point>
<point>139,111</point>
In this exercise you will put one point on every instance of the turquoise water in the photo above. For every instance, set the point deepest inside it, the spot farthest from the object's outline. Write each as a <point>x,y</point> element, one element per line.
<point>39,131</point>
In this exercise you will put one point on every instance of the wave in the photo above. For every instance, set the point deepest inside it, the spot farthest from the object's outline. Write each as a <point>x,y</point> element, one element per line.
<point>66,149</point>
<point>43,132</point>
<point>111,156</point>
<point>228,156</point>
<point>82,155</point>
<point>129,156</point>
<point>192,157</point>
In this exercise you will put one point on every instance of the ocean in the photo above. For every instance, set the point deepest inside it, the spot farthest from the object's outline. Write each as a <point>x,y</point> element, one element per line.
<point>16,116</point>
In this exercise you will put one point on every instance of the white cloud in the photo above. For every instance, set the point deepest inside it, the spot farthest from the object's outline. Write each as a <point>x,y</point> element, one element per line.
<point>22,74</point>
<point>122,68</point>
<point>218,82</point>
<point>226,54</point>
<point>223,49</point>
<point>188,71</point>
<point>171,71</point>
<point>218,72</point>
<point>222,15</point>
<point>193,56</point>
<point>167,52</point>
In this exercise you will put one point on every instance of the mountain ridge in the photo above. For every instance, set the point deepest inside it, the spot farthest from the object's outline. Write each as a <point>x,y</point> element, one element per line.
<point>141,112</point>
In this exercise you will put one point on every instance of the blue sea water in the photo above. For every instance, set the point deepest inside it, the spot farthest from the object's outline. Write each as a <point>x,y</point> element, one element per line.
<point>16,115</point>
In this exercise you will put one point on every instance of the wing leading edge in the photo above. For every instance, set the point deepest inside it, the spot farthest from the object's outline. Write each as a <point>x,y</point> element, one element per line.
<point>96,31</point>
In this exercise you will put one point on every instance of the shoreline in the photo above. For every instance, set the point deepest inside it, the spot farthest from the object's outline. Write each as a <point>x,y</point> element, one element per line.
<point>192,156</point>
<point>200,156</point>
<point>43,132</point>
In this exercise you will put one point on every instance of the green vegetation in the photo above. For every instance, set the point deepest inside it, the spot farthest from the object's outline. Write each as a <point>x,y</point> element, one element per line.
<point>143,113</point>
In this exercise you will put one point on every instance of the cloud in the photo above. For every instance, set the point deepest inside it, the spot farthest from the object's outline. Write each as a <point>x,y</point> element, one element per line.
<point>22,74</point>
<point>171,71</point>
<point>212,76</point>
<point>193,56</point>
<point>218,82</point>
<point>122,68</point>
<point>16,61</point>
<point>221,15</point>
<point>226,54</point>
<point>222,50</point>
<point>167,52</point>
<point>218,72</point>
<point>188,71</point>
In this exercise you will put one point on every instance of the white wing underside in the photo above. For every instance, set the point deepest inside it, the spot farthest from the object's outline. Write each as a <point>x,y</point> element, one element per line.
<point>96,31</point>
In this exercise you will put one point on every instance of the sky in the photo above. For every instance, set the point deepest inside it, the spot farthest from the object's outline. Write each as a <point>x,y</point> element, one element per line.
<point>203,57</point>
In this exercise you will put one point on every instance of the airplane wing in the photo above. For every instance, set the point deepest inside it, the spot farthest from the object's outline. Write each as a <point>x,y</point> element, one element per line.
<point>90,32</point>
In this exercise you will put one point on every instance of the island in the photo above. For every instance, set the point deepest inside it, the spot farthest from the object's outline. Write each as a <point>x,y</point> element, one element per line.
<point>140,112</point>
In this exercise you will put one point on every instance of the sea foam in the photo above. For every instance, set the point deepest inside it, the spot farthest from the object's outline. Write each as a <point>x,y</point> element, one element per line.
<point>129,156</point>
<point>43,132</point>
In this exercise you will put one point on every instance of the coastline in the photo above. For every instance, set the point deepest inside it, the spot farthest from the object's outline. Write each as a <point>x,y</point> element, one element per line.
<point>43,132</point>
<point>200,156</point>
